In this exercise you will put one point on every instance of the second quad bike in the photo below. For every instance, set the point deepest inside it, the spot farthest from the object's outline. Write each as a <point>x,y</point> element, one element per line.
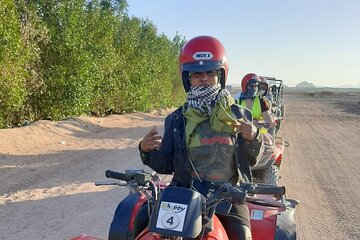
<point>267,168</point>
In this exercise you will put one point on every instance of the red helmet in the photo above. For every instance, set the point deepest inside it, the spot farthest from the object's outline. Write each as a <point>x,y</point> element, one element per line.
<point>249,78</point>
<point>201,54</point>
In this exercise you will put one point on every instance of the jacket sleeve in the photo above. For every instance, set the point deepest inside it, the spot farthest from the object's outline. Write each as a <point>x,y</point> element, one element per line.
<point>161,160</point>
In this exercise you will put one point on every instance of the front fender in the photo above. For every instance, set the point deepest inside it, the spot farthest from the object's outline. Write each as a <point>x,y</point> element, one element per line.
<point>286,226</point>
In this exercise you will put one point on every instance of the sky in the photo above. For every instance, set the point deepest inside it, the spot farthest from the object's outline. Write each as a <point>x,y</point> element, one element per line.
<point>317,41</point>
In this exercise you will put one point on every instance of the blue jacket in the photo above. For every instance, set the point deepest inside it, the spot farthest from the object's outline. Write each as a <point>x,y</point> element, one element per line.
<point>172,157</point>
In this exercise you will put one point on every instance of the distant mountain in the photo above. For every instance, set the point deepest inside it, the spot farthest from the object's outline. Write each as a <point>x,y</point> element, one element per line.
<point>350,86</point>
<point>305,84</point>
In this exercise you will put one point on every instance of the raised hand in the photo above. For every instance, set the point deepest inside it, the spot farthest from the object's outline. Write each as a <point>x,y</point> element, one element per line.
<point>151,141</point>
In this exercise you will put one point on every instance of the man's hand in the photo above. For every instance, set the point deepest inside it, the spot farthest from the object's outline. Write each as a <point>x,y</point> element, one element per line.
<point>151,141</point>
<point>247,130</point>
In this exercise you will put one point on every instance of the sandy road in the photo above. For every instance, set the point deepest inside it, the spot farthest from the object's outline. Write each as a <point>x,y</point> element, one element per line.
<point>322,165</point>
<point>47,171</point>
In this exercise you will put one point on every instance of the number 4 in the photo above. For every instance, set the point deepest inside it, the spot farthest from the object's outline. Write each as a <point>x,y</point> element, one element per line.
<point>170,221</point>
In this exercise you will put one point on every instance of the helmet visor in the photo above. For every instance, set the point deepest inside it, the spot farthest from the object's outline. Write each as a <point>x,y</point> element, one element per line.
<point>202,66</point>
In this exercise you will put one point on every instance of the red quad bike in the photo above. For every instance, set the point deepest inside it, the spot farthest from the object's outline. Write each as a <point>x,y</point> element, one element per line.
<point>153,210</point>
<point>277,107</point>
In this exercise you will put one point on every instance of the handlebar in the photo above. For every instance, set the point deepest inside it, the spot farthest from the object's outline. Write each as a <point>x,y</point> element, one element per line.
<point>268,189</point>
<point>240,193</point>
<point>139,176</point>
<point>117,175</point>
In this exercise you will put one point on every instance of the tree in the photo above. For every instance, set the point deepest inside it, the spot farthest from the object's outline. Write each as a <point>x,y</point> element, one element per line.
<point>13,58</point>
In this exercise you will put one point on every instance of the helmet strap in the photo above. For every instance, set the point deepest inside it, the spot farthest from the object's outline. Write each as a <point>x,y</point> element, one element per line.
<point>221,77</point>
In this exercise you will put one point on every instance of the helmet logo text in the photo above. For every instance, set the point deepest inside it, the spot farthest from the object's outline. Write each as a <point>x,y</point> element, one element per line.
<point>203,56</point>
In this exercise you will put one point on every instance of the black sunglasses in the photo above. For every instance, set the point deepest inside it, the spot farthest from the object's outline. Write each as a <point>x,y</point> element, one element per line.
<point>210,72</point>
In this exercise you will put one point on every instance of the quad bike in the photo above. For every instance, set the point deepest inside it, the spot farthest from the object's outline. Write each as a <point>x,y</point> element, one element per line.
<point>181,213</point>
<point>277,89</point>
<point>267,169</point>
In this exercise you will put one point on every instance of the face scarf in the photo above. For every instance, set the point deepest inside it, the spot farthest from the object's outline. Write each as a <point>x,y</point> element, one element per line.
<point>260,93</point>
<point>204,98</point>
<point>210,102</point>
<point>250,93</point>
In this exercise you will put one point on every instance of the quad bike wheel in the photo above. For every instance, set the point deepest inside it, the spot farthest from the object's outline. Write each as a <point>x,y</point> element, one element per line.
<point>270,175</point>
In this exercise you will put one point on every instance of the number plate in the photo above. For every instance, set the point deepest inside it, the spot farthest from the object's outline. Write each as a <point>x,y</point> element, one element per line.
<point>171,216</point>
<point>257,214</point>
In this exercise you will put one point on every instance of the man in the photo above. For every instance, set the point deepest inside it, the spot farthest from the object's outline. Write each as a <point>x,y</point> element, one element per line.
<point>265,89</point>
<point>259,106</point>
<point>200,142</point>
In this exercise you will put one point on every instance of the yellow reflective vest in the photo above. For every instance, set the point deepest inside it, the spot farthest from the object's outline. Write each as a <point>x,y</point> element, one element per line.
<point>256,107</point>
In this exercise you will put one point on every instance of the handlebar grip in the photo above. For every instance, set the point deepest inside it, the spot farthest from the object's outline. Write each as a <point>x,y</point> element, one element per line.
<point>270,190</point>
<point>117,175</point>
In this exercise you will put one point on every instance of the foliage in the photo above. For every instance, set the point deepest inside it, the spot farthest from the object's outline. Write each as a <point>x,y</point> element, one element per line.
<point>73,57</point>
<point>13,58</point>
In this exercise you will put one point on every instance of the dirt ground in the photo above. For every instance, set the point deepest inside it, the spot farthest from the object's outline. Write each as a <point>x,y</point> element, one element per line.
<point>48,169</point>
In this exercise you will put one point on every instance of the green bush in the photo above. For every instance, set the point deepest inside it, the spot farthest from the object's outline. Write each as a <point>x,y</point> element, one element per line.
<point>71,57</point>
<point>12,65</point>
